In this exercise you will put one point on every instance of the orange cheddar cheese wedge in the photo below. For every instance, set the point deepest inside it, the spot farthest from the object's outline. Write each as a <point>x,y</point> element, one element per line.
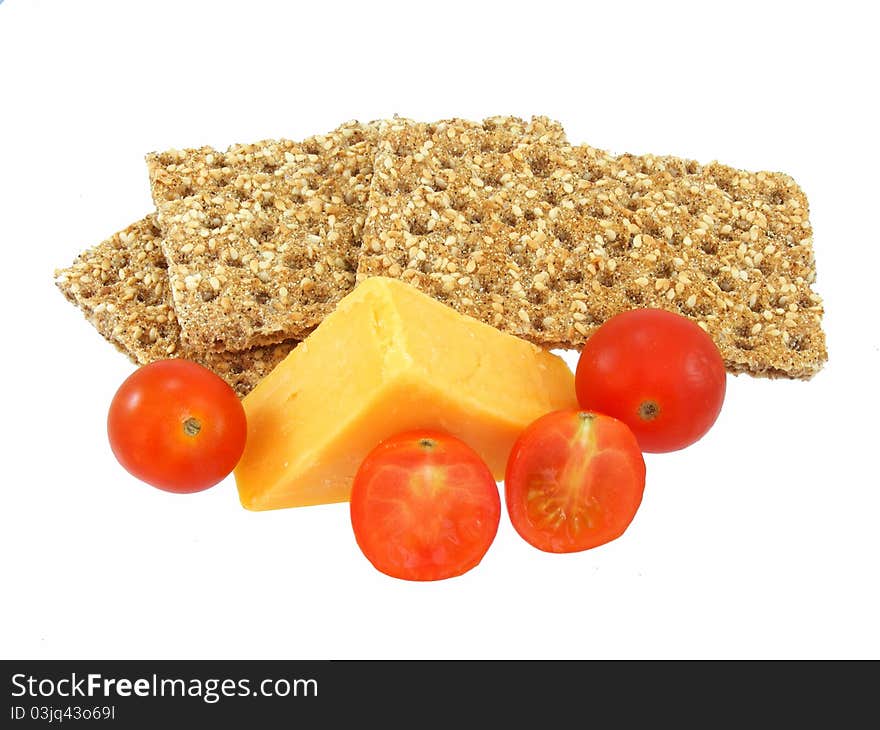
<point>389,358</point>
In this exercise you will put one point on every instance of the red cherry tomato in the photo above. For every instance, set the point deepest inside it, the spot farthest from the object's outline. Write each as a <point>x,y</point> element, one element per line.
<point>424,506</point>
<point>656,371</point>
<point>574,481</point>
<point>177,426</point>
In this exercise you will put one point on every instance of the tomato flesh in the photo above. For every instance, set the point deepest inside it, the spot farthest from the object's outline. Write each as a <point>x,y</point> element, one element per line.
<point>656,371</point>
<point>574,481</point>
<point>424,506</point>
<point>176,426</point>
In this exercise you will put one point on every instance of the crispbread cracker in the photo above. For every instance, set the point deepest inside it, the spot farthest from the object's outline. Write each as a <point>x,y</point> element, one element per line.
<point>547,241</point>
<point>261,240</point>
<point>245,368</point>
<point>121,285</point>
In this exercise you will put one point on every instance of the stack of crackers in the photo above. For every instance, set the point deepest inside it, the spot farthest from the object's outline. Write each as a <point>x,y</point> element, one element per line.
<point>504,220</point>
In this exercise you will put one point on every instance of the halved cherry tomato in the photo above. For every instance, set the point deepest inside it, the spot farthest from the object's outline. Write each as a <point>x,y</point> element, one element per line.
<point>424,506</point>
<point>574,481</point>
<point>177,426</point>
<point>656,371</point>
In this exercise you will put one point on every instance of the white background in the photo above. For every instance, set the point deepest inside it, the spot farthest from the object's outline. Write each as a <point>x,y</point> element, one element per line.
<point>760,541</point>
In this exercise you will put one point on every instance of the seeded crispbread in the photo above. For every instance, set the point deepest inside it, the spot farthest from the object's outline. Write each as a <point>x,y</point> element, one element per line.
<point>121,285</point>
<point>547,241</point>
<point>261,240</point>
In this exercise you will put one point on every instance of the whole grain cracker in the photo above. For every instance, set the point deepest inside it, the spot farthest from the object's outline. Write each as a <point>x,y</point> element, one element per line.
<point>243,369</point>
<point>548,241</point>
<point>261,240</point>
<point>121,286</point>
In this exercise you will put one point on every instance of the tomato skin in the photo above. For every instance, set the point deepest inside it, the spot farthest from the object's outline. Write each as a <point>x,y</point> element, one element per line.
<point>176,426</point>
<point>424,506</point>
<point>574,481</point>
<point>656,371</point>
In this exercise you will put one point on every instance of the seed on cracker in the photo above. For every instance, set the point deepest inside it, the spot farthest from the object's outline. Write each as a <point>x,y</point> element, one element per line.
<point>261,240</point>
<point>121,286</point>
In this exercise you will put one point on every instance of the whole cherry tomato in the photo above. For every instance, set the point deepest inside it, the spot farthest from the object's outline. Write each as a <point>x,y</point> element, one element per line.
<point>177,426</point>
<point>656,371</point>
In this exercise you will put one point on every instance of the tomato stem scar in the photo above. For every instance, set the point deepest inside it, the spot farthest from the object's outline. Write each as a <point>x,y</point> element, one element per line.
<point>649,410</point>
<point>427,444</point>
<point>191,426</point>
